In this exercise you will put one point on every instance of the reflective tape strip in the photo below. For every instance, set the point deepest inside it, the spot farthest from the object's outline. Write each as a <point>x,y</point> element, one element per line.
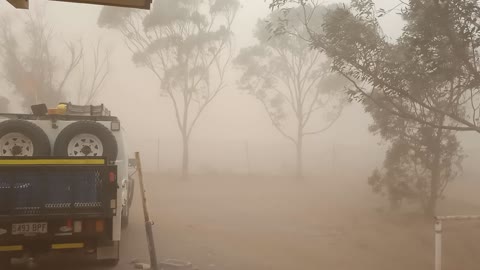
<point>11,248</point>
<point>68,246</point>
<point>52,162</point>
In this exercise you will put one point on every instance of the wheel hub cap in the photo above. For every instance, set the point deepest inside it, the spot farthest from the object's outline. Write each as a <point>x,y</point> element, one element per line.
<point>16,144</point>
<point>85,145</point>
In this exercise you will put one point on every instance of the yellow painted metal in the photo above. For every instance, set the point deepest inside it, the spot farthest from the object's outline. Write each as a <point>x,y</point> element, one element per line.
<point>11,248</point>
<point>52,162</point>
<point>68,246</point>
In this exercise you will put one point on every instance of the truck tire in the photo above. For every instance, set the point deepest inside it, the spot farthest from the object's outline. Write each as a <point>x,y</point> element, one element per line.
<point>113,260</point>
<point>126,209</point>
<point>86,139</point>
<point>23,138</point>
<point>125,222</point>
<point>125,216</point>
<point>110,263</point>
<point>131,191</point>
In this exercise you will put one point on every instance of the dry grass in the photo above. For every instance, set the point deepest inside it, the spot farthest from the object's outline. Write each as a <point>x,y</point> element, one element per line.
<point>240,222</point>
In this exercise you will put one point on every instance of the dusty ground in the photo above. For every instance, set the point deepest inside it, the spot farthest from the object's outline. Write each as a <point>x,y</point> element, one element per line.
<point>263,223</point>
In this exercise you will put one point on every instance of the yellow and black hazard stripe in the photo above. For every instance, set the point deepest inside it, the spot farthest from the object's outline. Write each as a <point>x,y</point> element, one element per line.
<point>55,161</point>
<point>53,246</point>
<point>68,246</point>
<point>11,248</point>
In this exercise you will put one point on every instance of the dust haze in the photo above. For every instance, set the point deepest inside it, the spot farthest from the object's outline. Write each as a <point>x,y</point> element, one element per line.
<point>243,206</point>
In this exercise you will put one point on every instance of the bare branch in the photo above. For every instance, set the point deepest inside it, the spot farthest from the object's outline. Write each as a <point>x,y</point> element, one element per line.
<point>75,58</point>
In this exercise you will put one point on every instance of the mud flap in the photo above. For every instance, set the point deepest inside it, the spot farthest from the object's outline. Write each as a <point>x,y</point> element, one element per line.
<point>108,251</point>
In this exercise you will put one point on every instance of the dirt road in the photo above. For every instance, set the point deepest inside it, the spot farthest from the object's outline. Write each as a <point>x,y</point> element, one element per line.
<point>263,223</point>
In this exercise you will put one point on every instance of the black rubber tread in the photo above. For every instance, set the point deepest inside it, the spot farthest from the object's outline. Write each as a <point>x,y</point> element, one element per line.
<point>131,191</point>
<point>40,141</point>
<point>109,263</point>
<point>125,221</point>
<point>109,143</point>
<point>113,262</point>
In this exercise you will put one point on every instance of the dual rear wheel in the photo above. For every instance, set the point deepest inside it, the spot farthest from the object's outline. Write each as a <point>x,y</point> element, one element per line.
<point>20,138</point>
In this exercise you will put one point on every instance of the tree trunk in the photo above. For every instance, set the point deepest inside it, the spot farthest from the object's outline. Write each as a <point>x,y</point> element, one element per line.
<point>435,178</point>
<point>299,145</point>
<point>185,157</point>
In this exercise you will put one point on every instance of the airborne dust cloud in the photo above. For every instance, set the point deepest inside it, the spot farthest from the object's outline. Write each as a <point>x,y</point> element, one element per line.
<point>242,207</point>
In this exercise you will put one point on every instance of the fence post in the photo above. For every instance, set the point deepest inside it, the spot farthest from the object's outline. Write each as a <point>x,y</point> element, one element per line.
<point>247,154</point>
<point>148,222</point>
<point>438,244</point>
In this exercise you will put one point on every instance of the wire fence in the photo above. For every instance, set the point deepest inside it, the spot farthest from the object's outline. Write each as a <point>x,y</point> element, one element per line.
<point>257,157</point>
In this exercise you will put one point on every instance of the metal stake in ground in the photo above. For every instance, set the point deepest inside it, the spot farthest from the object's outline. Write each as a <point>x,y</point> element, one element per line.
<point>148,222</point>
<point>438,235</point>
<point>438,244</point>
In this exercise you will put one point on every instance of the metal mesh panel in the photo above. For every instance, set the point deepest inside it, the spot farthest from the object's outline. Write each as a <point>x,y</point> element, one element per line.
<point>88,205</point>
<point>5,180</point>
<point>59,190</point>
<point>86,187</point>
<point>27,193</point>
<point>39,190</point>
<point>80,188</point>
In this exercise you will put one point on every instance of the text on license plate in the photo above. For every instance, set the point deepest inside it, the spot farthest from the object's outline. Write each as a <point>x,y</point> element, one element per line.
<point>29,228</point>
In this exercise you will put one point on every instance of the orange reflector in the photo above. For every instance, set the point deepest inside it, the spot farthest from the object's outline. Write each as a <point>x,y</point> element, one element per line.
<point>53,111</point>
<point>99,226</point>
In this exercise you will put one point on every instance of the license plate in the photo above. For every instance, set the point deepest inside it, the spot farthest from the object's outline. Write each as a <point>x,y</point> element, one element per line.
<point>29,228</point>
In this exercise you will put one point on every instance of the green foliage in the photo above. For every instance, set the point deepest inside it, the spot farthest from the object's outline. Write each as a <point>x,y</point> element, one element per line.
<point>419,164</point>
<point>439,46</point>
<point>421,160</point>
<point>434,58</point>
<point>287,76</point>
<point>177,40</point>
<point>419,89</point>
<point>291,80</point>
<point>186,44</point>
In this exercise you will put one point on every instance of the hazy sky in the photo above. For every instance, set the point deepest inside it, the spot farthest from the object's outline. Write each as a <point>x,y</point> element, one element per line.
<point>232,121</point>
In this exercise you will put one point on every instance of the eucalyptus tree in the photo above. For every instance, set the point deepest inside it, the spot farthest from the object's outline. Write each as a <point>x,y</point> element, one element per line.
<point>293,82</point>
<point>187,45</point>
